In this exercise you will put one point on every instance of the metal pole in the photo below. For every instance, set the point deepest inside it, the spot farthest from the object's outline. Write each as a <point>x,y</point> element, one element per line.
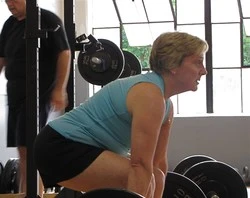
<point>69,21</point>
<point>209,56</point>
<point>32,91</point>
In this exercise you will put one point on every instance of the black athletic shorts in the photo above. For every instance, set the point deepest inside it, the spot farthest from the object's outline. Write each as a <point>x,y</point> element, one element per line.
<point>58,159</point>
<point>16,132</point>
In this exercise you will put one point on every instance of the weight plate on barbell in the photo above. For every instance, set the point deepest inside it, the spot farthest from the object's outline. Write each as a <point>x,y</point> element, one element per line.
<point>1,169</point>
<point>111,193</point>
<point>132,65</point>
<point>187,162</point>
<point>217,179</point>
<point>176,185</point>
<point>99,67</point>
<point>63,192</point>
<point>1,173</point>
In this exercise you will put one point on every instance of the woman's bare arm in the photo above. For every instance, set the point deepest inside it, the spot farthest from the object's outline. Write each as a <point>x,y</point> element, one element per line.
<point>147,106</point>
<point>160,159</point>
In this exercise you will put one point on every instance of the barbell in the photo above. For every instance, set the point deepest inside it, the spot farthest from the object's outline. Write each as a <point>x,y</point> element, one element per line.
<point>196,176</point>
<point>111,193</point>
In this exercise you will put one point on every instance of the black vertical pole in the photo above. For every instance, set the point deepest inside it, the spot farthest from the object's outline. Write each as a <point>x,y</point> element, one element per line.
<point>209,56</point>
<point>32,25</point>
<point>69,21</point>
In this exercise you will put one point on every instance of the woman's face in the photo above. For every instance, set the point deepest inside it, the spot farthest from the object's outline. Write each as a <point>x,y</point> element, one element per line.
<point>189,73</point>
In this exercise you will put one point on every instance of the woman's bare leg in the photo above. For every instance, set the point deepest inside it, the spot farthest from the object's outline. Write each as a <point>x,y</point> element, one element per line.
<point>109,170</point>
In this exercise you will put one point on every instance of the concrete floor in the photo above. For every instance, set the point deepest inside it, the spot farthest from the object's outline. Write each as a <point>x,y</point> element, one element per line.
<point>22,195</point>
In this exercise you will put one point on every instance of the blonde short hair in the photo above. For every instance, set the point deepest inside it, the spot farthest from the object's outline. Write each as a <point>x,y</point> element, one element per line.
<point>170,48</point>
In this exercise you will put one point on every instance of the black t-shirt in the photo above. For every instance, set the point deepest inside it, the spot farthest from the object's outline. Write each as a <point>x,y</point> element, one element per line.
<point>13,49</point>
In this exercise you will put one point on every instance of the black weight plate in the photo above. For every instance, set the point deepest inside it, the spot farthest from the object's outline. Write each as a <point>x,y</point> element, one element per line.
<point>179,186</point>
<point>110,193</point>
<point>218,178</point>
<point>1,169</point>
<point>9,180</point>
<point>110,67</point>
<point>132,65</point>
<point>187,162</point>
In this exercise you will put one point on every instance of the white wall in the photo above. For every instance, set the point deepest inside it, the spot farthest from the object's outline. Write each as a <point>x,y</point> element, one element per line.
<point>4,13</point>
<point>223,138</point>
<point>55,6</point>
<point>82,27</point>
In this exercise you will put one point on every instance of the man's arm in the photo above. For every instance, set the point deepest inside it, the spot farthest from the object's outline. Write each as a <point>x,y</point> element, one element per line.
<point>59,97</point>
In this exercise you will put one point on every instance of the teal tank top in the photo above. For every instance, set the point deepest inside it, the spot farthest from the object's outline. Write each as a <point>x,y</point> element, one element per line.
<point>103,119</point>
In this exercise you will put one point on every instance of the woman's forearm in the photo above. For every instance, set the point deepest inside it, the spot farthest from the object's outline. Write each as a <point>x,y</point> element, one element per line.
<point>139,180</point>
<point>160,178</point>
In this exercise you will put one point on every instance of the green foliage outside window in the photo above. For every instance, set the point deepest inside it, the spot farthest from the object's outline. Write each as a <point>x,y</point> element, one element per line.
<point>246,50</point>
<point>142,53</point>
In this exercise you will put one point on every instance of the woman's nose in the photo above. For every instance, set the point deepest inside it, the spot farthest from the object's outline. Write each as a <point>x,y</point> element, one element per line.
<point>204,71</point>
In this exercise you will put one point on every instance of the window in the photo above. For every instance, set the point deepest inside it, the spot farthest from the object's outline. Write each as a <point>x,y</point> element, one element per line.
<point>134,24</point>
